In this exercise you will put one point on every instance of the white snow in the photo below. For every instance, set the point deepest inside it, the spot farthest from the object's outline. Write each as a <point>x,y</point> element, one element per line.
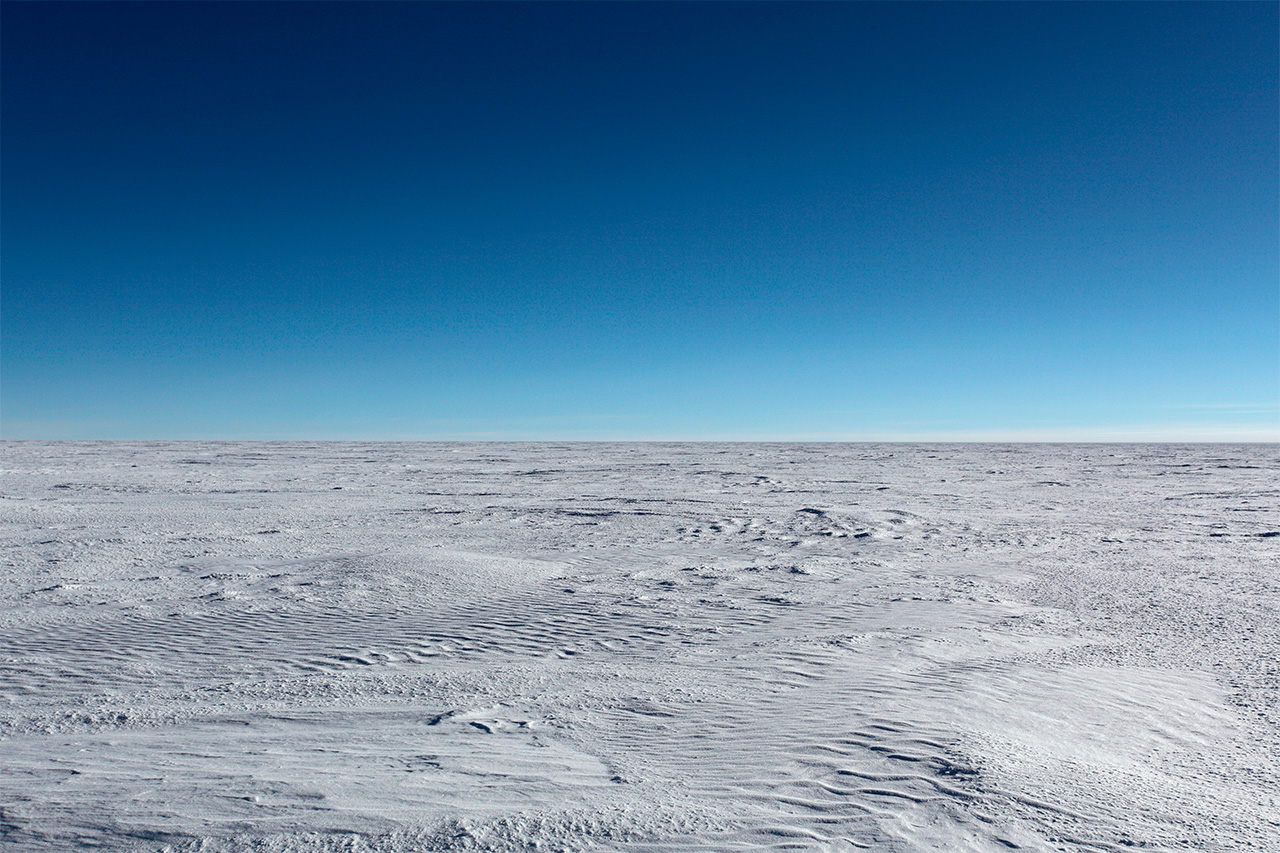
<point>333,646</point>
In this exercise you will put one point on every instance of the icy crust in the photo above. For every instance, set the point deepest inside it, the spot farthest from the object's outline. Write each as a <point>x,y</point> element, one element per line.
<point>648,647</point>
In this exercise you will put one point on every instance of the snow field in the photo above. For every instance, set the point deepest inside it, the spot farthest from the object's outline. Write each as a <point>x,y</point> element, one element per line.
<point>313,647</point>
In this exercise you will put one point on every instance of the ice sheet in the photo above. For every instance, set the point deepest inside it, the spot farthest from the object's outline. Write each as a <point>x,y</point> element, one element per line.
<point>332,646</point>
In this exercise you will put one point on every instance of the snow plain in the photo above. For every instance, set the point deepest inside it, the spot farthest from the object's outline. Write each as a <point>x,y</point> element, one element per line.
<point>409,647</point>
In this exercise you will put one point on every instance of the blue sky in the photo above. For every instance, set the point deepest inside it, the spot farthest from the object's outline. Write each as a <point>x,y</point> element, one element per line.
<point>640,221</point>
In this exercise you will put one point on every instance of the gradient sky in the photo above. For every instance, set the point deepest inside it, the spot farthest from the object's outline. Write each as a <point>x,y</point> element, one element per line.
<point>582,221</point>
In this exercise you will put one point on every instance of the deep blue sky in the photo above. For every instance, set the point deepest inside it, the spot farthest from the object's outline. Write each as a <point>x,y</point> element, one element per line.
<point>931,220</point>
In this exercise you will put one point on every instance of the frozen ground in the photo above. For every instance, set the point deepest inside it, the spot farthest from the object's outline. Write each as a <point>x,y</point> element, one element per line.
<point>298,647</point>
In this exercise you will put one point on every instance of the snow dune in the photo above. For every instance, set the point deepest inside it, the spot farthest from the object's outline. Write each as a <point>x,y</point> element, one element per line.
<point>413,647</point>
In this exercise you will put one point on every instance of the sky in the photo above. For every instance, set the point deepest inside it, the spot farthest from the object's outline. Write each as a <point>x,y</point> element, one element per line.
<point>720,221</point>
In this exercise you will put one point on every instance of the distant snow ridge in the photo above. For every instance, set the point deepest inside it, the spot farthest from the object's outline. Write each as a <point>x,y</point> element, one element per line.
<point>638,647</point>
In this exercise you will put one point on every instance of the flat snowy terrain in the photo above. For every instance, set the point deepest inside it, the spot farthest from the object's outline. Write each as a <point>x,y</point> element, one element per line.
<point>403,647</point>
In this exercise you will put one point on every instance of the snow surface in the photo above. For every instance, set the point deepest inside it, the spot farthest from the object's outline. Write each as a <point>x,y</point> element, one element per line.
<point>314,647</point>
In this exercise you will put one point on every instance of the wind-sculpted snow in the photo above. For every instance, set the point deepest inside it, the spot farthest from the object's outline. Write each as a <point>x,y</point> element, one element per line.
<point>639,647</point>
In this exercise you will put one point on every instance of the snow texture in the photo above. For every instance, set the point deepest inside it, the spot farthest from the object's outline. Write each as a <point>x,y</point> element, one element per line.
<point>639,647</point>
